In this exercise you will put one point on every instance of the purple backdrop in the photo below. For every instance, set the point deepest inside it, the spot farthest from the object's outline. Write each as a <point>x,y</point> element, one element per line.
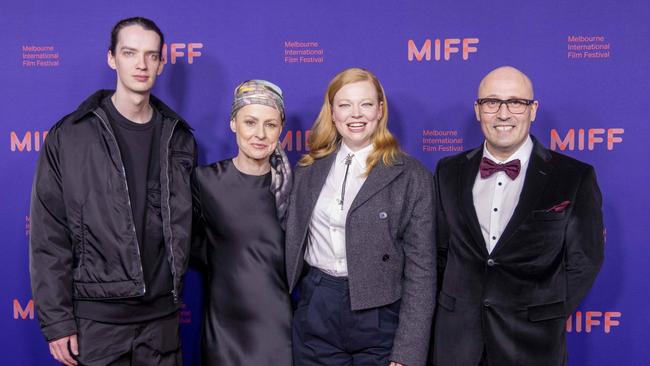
<point>588,60</point>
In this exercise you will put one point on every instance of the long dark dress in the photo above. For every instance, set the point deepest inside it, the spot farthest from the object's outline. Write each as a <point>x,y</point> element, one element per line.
<point>248,310</point>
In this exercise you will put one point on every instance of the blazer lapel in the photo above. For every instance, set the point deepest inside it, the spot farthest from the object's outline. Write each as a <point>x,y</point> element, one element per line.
<point>319,171</point>
<point>537,176</point>
<point>380,176</point>
<point>466,180</point>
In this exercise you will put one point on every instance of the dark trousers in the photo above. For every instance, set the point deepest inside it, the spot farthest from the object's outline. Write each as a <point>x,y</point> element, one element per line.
<point>154,342</point>
<point>327,332</point>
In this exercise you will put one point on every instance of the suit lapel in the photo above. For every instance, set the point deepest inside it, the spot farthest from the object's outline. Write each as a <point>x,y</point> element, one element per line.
<point>467,176</point>
<point>380,176</point>
<point>537,175</point>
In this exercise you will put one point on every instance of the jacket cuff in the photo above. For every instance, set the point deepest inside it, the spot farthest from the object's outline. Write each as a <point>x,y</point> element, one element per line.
<point>58,330</point>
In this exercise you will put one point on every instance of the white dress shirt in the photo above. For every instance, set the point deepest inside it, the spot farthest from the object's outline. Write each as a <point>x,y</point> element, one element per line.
<point>496,196</point>
<point>326,239</point>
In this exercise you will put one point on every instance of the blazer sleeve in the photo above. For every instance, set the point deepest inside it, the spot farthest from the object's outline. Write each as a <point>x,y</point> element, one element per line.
<point>411,340</point>
<point>50,247</point>
<point>584,240</point>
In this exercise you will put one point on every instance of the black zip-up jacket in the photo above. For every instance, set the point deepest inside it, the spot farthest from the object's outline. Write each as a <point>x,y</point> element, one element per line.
<point>83,243</point>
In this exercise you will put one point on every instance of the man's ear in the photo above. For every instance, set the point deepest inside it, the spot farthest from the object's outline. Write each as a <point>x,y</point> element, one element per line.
<point>110,59</point>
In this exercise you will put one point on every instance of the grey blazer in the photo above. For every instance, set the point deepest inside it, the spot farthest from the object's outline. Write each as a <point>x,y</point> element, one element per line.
<point>389,234</point>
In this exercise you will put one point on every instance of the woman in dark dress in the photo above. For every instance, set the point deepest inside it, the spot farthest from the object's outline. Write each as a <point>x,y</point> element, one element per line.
<point>239,206</point>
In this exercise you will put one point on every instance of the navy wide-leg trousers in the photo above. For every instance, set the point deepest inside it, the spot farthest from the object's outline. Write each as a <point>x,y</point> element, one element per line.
<point>327,332</point>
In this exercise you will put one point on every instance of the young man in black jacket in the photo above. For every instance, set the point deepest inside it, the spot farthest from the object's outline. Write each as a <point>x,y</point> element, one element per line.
<point>111,217</point>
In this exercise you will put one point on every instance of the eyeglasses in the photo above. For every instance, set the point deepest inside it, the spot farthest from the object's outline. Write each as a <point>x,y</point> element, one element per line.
<point>515,106</point>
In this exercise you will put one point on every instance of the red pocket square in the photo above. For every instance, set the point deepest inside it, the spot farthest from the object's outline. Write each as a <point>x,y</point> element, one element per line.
<point>559,207</point>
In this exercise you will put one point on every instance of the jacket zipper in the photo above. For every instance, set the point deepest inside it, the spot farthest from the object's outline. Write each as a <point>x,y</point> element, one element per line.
<point>172,267</point>
<point>128,198</point>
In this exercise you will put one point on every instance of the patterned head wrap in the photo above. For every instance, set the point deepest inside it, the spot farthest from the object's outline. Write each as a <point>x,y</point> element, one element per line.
<point>257,92</point>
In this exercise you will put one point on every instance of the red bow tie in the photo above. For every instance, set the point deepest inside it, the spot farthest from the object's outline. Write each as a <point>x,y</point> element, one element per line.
<point>488,167</point>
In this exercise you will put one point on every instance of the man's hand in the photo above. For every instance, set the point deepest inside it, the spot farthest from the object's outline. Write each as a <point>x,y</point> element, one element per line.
<point>395,364</point>
<point>59,350</point>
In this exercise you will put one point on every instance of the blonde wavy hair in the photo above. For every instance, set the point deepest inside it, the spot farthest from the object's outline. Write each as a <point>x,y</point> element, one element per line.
<point>325,139</point>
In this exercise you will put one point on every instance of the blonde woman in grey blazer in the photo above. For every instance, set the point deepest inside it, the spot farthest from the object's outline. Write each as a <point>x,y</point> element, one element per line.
<point>360,237</point>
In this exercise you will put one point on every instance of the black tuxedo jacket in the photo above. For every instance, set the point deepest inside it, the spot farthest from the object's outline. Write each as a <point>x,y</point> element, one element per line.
<point>514,302</point>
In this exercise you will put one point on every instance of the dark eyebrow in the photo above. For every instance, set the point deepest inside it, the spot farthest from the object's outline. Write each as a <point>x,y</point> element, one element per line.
<point>127,48</point>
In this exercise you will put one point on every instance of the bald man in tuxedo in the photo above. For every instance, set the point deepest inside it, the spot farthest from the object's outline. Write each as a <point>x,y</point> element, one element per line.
<point>519,235</point>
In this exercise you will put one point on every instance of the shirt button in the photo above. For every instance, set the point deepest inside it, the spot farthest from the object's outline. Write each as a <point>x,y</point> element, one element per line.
<point>500,183</point>
<point>486,304</point>
<point>496,209</point>
<point>490,262</point>
<point>385,258</point>
<point>494,238</point>
<point>383,215</point>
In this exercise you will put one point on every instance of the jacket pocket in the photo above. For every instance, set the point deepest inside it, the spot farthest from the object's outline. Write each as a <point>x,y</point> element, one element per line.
<point>543,215</point>
<point>79,246</point>
<point>446,301</point>
<point>81,252</point>
<point>543,312</point>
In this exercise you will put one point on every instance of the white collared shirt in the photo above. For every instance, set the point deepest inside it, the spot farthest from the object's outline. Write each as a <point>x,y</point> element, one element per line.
<point>326,239</point>
<point>496,196</point>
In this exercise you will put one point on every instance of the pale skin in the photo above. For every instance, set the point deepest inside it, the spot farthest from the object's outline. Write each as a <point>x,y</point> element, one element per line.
<point>257,128</point>
<point>356,111</point>
<point>59,350</point>
<point>137,63</point>
<point>504,131</point>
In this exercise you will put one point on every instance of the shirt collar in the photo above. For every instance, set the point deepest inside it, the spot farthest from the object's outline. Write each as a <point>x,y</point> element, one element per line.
<point>360,156</point>
<point>523,153</point>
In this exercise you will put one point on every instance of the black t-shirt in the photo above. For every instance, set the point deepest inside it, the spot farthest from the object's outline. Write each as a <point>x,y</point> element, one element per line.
<point>139,145</point>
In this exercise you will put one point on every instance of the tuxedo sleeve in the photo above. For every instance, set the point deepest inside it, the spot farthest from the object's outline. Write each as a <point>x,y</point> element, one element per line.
<point>584,240</point>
